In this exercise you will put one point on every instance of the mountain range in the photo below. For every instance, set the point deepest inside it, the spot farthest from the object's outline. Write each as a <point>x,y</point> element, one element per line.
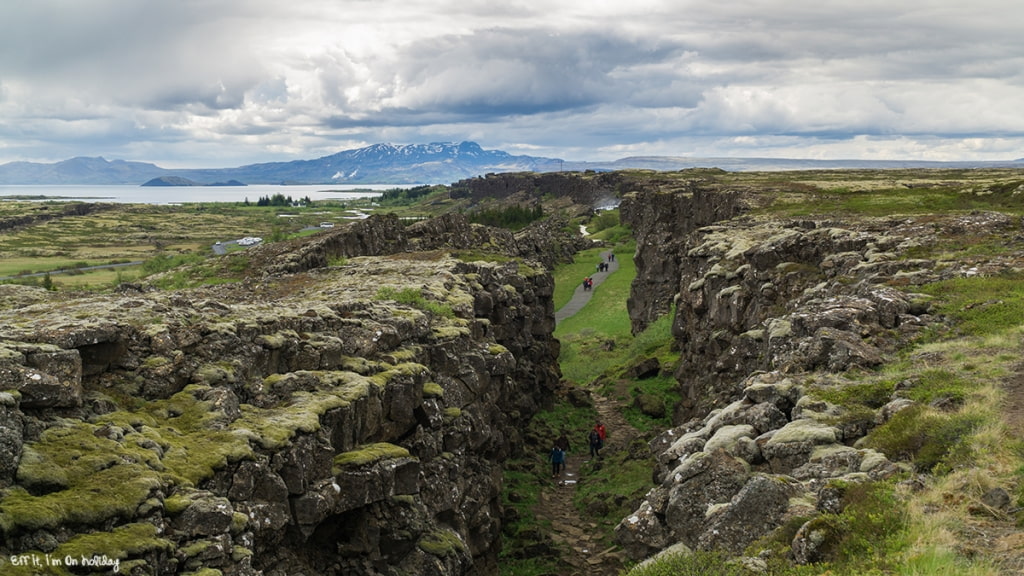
<point>434,163</point>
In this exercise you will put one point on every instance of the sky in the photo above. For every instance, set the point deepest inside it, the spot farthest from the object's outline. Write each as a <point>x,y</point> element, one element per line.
<point>223,83</point>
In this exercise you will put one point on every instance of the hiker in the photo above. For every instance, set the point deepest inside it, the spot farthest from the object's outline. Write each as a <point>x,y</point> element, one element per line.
<point>563,443</point>
<point>557,458</point>
<point>596,442</point>
<point>596,439</point>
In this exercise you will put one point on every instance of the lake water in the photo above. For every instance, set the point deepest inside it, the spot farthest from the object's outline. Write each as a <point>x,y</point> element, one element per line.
<point>134,194</point>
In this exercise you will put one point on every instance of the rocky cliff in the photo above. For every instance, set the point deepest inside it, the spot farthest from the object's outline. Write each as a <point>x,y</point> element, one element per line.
<point>344,410</point>
<point>768,312</point>
<point>581,191</point>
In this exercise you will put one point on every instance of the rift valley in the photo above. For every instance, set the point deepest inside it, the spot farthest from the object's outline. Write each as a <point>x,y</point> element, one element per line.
<point>350,400</point>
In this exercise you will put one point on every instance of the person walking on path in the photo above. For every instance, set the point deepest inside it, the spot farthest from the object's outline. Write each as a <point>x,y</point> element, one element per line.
<point>594,439</point>
<point>562,443</point>
<point>557,458</point>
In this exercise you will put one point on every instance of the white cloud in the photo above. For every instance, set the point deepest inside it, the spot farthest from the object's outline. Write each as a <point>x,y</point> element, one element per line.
<point>221,82</point>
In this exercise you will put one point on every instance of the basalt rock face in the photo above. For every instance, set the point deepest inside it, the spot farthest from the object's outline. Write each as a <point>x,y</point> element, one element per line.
<point>662,223</point>
<point>769,310</point>
<point>303,421</point>
<point>591,191</point>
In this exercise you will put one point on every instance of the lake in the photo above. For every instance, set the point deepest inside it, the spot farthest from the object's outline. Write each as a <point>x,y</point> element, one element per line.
<point>134,194</point>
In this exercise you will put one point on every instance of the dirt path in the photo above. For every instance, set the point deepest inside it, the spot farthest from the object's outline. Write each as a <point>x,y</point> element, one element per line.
<point>997,533</point>
<point>585,550</point>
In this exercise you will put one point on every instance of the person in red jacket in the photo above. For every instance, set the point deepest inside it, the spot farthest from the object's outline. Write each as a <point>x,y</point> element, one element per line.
<point>596,439</point>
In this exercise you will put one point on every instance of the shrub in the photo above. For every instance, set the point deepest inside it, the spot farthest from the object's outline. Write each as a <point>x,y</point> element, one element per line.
<point>924,436</point>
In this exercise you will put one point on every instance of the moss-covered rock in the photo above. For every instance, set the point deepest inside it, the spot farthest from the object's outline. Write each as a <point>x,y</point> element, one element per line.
<point>369,454</point>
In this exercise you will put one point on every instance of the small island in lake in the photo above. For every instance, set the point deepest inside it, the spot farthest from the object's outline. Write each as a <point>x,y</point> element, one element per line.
<point>179,181</point>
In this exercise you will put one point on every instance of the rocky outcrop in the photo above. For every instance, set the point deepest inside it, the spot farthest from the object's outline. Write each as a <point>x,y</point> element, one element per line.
<point>766,312</point>
<point>589,190</point>
<point>313,419</point>
<point>545,242</point>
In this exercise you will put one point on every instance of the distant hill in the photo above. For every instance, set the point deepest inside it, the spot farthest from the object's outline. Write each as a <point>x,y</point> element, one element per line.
<point>435,163</point>
<point>80,170</point>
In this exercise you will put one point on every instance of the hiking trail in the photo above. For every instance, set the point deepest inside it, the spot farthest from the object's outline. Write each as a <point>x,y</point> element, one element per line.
<point>584,551</point>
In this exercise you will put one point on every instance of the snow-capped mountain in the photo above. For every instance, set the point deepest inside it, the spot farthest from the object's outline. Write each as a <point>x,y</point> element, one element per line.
<point>434,163</point>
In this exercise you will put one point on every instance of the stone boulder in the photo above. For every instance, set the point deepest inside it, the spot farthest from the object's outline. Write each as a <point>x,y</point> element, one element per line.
<point>759,507</point>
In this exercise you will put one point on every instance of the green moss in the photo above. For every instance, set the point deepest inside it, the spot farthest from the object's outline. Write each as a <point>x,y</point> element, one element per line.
<point>122,542</point>
<point>195,548</point>
<point>117,545</point>
<point>155,362</point>
<point>369,454</point>
<point>496,349</point>
<point>405,354</point>
<point>451,332</point>
<point>276,341</point>
<point>360,365</point>
<point>403,370</point>
<point>204,572</point>
<point>176,504</point>
<point>215,373</point>
<point>239,522</point>
<point>274,428</point>
<point>441,543</point>
<point>433,390</point>
<point>452,413</point>
<point>86,477</point>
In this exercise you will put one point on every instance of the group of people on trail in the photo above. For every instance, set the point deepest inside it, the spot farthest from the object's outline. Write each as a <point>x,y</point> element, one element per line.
<point>602,266</point>
<point>560,449</point>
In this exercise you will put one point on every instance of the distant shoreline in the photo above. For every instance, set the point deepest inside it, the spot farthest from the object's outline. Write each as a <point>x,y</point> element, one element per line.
<point>135,194</point>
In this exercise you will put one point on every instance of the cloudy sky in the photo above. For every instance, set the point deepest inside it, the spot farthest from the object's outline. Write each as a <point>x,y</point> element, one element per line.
<point>219,83</point>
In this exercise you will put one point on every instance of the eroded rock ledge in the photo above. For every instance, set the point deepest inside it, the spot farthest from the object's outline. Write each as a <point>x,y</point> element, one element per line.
<point>304,421</point>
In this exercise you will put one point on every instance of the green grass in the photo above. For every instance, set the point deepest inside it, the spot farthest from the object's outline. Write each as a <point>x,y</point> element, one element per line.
<point>618,481</point>
<point>413,297</point>
<point>982,305</point>
<point>62,236</point>
<point>591,338</point>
